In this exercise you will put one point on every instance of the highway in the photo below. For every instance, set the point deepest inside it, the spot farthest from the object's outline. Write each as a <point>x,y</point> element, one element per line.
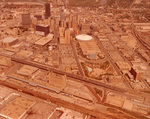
<point>75,77</point>
<point>140,41</point>
<point>109,57</point>
<point>76,57</point>
<point>113,64</point>
<point>132,94</point>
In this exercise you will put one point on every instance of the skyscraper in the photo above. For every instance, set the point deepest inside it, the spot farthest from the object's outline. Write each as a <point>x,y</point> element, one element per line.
<point>62,15</point>
<point>67,37</point>
<point>26,19</point>
<point>47,10</point>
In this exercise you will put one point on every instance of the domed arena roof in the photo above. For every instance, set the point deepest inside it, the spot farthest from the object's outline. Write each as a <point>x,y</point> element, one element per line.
<point>84,37</point>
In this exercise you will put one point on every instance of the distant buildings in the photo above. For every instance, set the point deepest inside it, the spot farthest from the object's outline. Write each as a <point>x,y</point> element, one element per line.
<point>26,20</point>
<point>85,27</point>
<point>47,10</point>
<point>62,15</point>
<point>64,36</point>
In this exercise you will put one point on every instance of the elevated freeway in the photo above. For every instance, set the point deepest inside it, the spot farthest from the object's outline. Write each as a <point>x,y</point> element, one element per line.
<point>75,77</point>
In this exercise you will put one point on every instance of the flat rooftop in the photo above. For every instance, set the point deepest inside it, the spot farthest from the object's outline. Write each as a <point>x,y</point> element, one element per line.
<point>23,54</point>
<point>89,47</point>
<point>27,70</point>
<point>9,40</point>
<point>43,41</point>
<point>16,108</point>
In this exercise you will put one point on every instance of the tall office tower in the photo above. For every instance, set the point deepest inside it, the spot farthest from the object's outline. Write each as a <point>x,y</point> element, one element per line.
<point>61,31</point>
<point>69,24</point>
<point>47,10</point>
<point>71,17</point>
<point>67,37</point>
<point>55,30</point>
<point>136,74</point>
<point>63,24</point>
<point>62,16</point>
<point>57,21</point>
<point>78,19</point>
<point>52,24</point>
<point>34,23</point>
<point>26,20</point>
<point>61,40</point>
<point>75,25</point>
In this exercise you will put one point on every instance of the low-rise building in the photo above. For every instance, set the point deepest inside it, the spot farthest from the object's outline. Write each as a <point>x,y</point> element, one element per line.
<point>9,41</point>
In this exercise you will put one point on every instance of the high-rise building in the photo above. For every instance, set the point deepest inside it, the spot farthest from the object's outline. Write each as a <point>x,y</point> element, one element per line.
<point>78,19</point>
<point>55,30</point>
<point>67,37</point>
<point>64,37</point>
<point>70,24</point>
<point>136,74</point>
<point>47,10</point>
<point>61,31</point>
<point>62,16</point>
<point>42,29</point>
<point>61,40</point>
<point>26,19</point>
<point>75,25</point>
<point>57,21</point>
<point>63,24</point>
<point>52,24</point>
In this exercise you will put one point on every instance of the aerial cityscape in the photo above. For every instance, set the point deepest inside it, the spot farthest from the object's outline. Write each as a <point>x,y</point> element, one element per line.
<point>74,59</point>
